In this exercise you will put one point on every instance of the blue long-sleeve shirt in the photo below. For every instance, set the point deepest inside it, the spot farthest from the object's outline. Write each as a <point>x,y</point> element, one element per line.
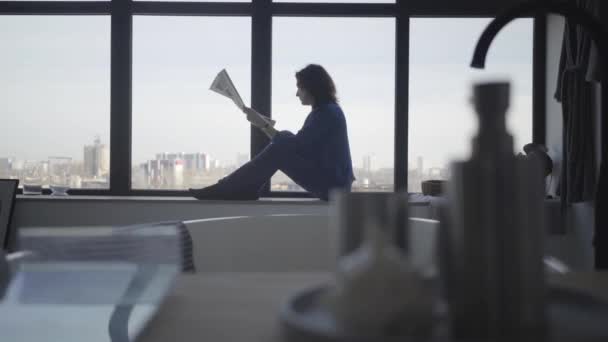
<point>324,140</point>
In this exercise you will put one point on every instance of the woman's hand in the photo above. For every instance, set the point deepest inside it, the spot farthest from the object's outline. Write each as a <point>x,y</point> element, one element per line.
<point>255,118</point>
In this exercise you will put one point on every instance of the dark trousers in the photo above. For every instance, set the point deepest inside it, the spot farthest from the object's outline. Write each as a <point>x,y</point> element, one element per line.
<point>281,155</point>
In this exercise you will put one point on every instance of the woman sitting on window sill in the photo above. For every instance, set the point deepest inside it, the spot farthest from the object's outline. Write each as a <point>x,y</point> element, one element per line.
<point>317,158</point>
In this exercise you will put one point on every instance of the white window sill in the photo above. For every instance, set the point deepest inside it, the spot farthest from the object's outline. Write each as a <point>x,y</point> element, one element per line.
<point>414,201</point>
<point>172,199</point>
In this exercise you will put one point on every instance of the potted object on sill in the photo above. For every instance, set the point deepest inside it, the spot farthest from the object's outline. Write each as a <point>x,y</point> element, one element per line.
<point>433,187</point>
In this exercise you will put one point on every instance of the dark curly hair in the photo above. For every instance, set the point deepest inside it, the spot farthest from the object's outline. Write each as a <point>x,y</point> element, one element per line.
<point>318,83</point>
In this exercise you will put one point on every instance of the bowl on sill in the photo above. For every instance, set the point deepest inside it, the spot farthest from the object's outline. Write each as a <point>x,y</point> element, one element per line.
<point>433,187</point>
<point>59,190</point>
<point>32,189</point>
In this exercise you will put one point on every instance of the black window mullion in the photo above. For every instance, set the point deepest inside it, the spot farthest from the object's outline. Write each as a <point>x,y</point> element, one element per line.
<point>402,65</point>
<point>191,8</point>
<point>451,8</point>
<point>539,80</point>
<point>287,9</point>
<point>120,108</point>
<point>261,70</point>
<point>55,7</point>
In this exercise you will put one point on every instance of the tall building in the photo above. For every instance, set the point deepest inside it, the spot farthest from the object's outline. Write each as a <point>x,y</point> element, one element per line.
<point>216,164</point>
<point>96,159</point>
<point>75,182</point>
<point>17,164</point>
<point>367,163</point>
<point>164,173</point>
<point>196,161</point>
<point>190,161</point>
<point>176,174</point>
<point>420,165</point>
<point>5,165</point>
<point>175,156</point>
<point>205,162</point>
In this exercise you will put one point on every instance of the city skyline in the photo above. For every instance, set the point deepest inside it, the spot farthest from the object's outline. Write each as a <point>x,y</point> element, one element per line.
<point>181,170</point>
<point>239,158</point>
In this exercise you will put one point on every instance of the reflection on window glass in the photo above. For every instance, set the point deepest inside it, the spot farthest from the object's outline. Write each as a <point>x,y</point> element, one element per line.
<point>441,119</point>
<point>359,54</point>
<point>185,135</point>
<point>55,95</point>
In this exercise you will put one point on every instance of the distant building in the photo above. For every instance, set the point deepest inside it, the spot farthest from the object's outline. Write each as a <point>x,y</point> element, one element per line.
<point>75,182</point>
<point>241,159</point>
<point>17,164</point>
<point>164,173</point>
<point>175,156</point>
<point>206,162</point>
<point>367,163</point>
<point>96,159</point>
<point>216,164</point>
<point>190,161</point>
<point>420,166</point>
<point>5,165</point>
<point>196,162</point>
<point>176,174</point>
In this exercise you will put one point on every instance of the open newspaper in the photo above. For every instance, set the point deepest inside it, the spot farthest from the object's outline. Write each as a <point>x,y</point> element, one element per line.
<point>222,84</point>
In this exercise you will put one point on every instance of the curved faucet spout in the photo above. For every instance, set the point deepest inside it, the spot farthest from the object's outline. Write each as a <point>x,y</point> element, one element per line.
<point>569,11</point>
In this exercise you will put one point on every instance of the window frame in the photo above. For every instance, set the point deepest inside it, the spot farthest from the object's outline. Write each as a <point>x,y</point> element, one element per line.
<point>262,13</point>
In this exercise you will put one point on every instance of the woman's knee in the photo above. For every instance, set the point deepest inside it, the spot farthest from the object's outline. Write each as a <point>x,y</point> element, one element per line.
<point>282,143</point>
<point>281,135</point>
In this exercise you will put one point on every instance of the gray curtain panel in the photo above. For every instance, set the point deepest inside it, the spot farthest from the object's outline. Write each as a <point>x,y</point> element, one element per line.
<point>579,68</point>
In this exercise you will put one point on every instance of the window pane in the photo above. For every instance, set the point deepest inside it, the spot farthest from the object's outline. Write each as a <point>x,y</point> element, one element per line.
<point>359,54</point>
<point>441,120</point>
<point>55,95</point>
<point>185,135</point>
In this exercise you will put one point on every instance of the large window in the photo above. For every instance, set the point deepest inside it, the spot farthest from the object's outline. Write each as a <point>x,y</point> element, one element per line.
<point>185,135</point>
<point>441,118</point>
<point>359,54</point>
<point>87,83</point>
<point>55,98</point>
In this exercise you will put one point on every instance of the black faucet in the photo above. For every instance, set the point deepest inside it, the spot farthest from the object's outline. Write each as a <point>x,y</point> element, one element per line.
<point>600,36</point>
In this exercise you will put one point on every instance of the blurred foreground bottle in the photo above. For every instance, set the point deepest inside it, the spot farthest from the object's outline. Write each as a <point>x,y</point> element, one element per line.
<point>492,234</point>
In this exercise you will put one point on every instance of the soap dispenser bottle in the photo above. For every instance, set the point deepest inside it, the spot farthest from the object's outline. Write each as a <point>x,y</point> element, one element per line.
<point>492,232</point>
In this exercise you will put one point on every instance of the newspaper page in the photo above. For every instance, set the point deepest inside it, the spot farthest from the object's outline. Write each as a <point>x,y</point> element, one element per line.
<point>222,84</point>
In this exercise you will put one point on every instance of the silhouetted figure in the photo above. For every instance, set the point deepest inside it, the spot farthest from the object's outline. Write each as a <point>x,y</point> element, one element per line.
<point>317,158</point>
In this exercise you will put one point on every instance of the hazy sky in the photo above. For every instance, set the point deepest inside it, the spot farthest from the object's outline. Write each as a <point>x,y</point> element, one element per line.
<point>56,78</point>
